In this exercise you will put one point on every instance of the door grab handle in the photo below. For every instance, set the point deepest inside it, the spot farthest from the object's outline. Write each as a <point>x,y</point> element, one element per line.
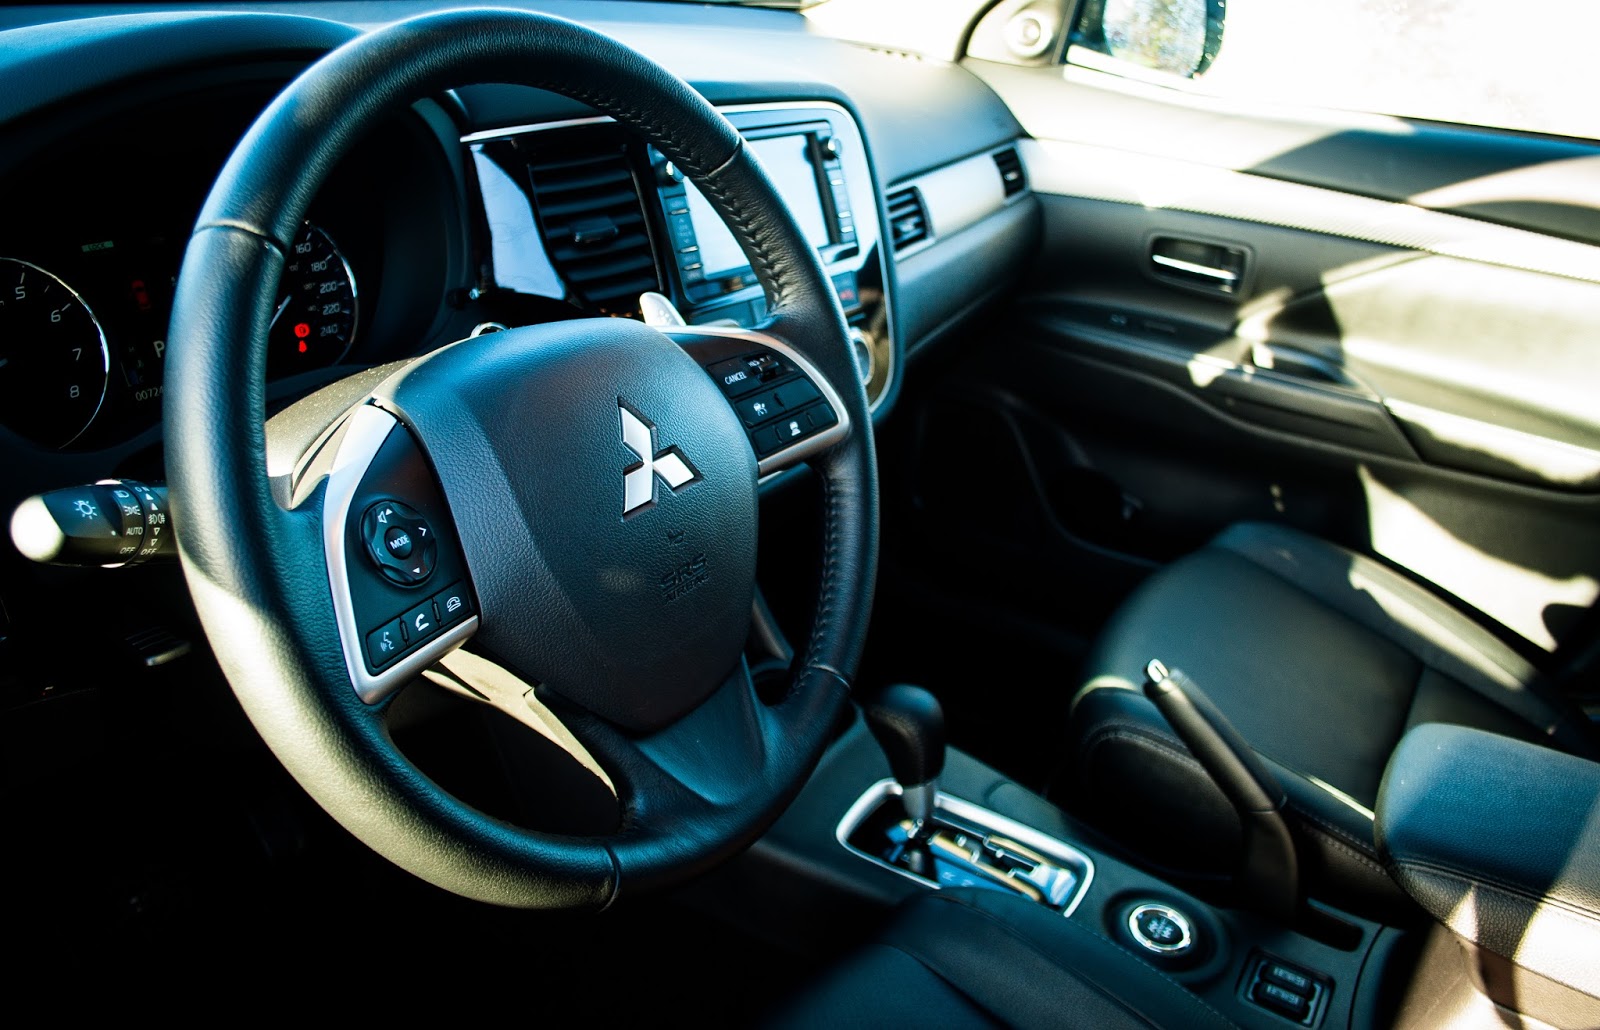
<point>1292,361</point>
<point>1221,275</point>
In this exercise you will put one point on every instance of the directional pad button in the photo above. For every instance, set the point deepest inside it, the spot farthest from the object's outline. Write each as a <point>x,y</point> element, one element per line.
<point>400,542</point>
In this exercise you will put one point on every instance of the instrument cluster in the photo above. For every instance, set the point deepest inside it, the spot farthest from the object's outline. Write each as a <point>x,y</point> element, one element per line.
<point>89,257</point>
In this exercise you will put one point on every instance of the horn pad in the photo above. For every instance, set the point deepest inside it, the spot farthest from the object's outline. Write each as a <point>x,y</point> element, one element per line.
<point>605,497</point>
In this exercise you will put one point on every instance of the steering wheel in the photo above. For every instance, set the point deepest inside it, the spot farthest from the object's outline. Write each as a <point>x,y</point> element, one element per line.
<point>561,468</point>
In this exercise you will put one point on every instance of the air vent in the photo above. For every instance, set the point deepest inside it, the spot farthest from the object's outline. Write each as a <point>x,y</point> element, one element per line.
<point>1010,165</point>
<point>908,218</point>
<point>899,55</point>
<point>593,222</point>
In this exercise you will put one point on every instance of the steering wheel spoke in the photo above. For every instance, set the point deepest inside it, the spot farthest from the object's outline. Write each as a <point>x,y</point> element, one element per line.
<point>691,788</point>
<point>788,408</point>
<point>402,595</point>
<point>476,678</point>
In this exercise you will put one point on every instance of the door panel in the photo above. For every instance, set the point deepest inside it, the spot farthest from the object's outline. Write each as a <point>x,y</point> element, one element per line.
<point>1541,183</point>
<point>1222,330</point>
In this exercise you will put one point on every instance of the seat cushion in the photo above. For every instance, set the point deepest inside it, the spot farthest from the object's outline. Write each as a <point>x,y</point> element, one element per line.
<point>976,958</point>
<point>1322,659</point>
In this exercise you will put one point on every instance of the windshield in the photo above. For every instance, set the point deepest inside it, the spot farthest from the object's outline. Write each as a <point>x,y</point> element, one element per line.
<point>790,4</point>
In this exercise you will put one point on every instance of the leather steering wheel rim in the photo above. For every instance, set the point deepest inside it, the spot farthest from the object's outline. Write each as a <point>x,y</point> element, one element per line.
<point>267,611</point>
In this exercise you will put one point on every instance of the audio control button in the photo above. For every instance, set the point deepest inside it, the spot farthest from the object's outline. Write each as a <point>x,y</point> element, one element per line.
<point>400,542</point>
<point>421,622</point>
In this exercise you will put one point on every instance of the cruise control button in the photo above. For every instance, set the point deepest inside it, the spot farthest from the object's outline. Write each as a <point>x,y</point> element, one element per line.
<point>421,622</point>
<point>759,407</point>
<point>451,604</point>
<point>734,377</point>
<point>767,366</point>
<point>385,642</point>
<point>796,394</point>
<point>821,417</point>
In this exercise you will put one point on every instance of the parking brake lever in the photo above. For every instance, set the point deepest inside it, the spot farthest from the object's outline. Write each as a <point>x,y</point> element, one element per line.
<point>1269,871</point>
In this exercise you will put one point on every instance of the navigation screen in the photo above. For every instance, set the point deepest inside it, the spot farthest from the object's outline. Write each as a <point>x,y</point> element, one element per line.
<point>790,170</point>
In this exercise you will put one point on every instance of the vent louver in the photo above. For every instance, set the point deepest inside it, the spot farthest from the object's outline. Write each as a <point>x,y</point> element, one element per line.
<point>908,218</point>
<point>594,224</point>
<point>1011,176</point>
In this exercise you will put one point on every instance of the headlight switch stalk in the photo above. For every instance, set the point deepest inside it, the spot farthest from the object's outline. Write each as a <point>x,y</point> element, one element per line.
<point>113,524</point>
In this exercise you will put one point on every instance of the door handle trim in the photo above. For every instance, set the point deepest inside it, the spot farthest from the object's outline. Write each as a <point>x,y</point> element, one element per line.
<point>1222,275</point>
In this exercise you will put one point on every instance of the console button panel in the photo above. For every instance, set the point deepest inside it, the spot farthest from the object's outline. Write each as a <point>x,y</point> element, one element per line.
<point>1296,994</point>
<point>778,404</point>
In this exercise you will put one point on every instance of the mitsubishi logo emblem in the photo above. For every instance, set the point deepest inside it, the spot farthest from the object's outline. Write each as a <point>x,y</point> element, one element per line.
<point>639,479</point>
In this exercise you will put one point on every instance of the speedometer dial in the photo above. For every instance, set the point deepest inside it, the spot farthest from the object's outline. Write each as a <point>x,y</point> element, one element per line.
<point>315,322</point>
<point>54,362</point>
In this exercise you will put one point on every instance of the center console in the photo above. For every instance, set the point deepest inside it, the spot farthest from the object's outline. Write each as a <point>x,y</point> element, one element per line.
<point>865,835</point>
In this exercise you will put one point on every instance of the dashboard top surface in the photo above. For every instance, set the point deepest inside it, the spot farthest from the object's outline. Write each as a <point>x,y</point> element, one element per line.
<point>917,112</point>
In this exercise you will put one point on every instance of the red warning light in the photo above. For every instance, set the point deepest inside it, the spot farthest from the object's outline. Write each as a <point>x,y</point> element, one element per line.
<point>302,330</point>
<point>302,346</point>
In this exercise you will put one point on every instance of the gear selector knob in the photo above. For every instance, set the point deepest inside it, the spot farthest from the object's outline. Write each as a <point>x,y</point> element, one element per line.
<point>909,725</point>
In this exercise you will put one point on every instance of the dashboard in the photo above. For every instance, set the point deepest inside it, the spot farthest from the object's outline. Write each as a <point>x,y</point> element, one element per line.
<point>89,261</point>
<point>484,207</point>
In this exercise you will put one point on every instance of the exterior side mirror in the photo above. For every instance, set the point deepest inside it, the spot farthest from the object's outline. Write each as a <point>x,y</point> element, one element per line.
<point>1175,37</point>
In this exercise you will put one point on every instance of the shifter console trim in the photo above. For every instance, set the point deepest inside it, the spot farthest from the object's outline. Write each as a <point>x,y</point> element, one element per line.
<point>966,814</point>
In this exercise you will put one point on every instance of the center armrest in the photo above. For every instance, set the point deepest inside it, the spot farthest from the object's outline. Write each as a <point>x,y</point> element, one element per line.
<point>1499,840</point>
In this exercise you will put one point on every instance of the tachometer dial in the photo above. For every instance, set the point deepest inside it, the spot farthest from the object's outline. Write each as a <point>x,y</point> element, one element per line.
<point>54,362</point>
<point>315,322</point>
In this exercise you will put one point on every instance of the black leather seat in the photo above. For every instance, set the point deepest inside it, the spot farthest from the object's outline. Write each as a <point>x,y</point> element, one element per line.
<point>1322,659</point>
<point>976,958</point>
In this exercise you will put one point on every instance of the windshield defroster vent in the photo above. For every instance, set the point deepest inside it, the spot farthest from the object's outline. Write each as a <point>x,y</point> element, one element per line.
<point>1009,162</point>
<point>908,218</point>
<point>593,222</point>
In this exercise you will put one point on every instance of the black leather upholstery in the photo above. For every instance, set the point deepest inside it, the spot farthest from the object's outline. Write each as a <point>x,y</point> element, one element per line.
<point>975,958</point>
<point>1322,659</point>
<point>1498,841</point>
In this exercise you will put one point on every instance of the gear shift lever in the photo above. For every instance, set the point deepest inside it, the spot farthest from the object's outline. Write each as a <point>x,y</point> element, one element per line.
<point>963,844</point>
<point>909,726</point>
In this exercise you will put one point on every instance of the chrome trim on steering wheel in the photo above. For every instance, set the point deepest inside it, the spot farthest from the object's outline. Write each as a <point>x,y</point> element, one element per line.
<point>783,458</point>
<point>369,426</point>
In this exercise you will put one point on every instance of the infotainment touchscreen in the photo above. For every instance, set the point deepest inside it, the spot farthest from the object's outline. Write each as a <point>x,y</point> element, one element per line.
<point>788,163</point>
<point>804,164</point>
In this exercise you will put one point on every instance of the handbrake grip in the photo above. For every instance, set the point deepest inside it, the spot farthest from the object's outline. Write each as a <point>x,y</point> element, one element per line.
<point>1269,871</point>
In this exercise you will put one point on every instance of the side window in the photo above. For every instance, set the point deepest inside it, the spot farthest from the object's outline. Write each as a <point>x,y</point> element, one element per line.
<point>1525,66</point>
